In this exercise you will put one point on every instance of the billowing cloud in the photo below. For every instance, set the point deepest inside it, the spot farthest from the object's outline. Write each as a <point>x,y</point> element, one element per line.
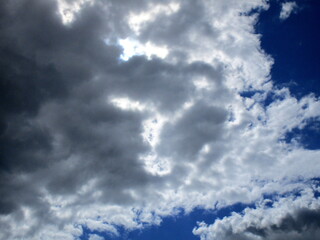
<point>90,138</point>
<point>291,216</point>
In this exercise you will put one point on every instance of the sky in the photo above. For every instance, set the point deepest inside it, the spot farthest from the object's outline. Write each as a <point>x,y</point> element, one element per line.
<point>159,119</point>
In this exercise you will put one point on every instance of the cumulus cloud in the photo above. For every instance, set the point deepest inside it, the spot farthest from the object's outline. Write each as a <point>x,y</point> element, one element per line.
<point>89,138</point>
<point>287,9</point>
<point>292,217</point>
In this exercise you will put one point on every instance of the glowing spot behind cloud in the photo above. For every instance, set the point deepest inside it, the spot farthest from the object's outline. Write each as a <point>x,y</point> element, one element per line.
<point>127,104</point>
<point>202,83</point>
<point>67,9</point>
<point>132,48</point>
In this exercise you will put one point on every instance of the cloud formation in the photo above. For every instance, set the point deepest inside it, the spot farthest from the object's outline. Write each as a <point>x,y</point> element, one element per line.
<point>292,217</point>
<point>287,9</point>
<point>90,139</point>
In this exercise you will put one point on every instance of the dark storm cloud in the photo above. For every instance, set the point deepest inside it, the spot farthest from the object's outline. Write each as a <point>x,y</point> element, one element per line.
<point>304,224</point>
<point>57,125</point>
<point>105,140</point>
<point>42,59</point>
<point>43,66</point>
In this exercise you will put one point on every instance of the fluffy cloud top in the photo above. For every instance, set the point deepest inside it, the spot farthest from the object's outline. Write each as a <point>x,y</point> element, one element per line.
<point>89,138</point>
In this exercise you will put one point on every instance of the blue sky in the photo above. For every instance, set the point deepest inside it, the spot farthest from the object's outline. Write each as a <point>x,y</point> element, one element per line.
<point>293,45</point>
<point>139,120</point>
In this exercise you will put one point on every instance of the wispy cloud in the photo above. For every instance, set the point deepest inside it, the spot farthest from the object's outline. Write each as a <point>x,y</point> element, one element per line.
<point>287,9</point>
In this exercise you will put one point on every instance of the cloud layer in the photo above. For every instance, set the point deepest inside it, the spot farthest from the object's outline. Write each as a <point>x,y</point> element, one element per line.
<point>89,139</point>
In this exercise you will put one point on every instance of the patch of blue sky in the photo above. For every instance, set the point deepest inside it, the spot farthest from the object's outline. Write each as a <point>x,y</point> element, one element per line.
<point>308,136</point>
<point>316,183</point>
<point>294,45</point>
<point>262,97</point>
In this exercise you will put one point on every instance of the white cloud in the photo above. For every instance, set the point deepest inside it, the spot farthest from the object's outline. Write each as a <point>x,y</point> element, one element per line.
<point>95,237</point>
<point>137,20</point>
<point>290,216</point>
<point>287,9</point>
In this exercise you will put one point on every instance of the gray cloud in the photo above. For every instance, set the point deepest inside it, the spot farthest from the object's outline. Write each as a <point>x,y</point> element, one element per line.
<point>200,124</point>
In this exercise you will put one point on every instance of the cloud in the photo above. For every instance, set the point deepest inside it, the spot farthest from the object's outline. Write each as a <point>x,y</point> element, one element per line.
<point>78,123</point>
<point>294,217</point>
<point>95,237</point>
<point>185,137</point>
<point>287,9</point>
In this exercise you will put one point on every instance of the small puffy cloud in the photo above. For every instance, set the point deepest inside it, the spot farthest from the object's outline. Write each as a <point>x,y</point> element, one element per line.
<point>287,9</point>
